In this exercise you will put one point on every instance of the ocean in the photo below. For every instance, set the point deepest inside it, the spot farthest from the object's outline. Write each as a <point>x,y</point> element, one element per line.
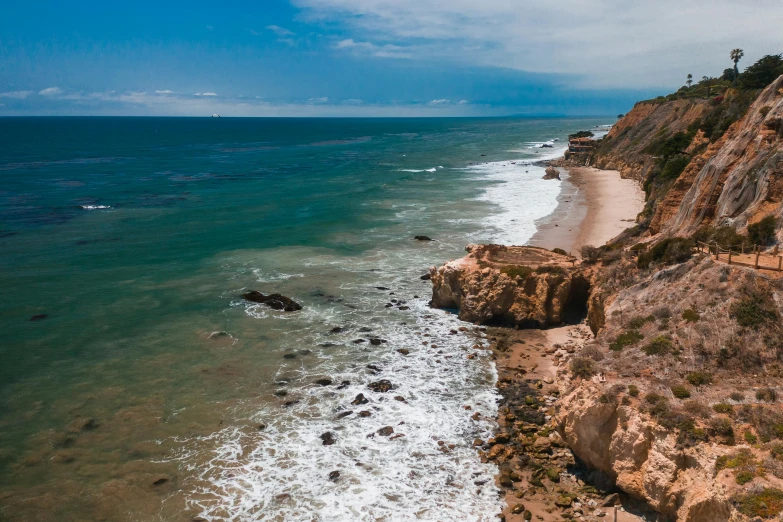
<point>136,384</point>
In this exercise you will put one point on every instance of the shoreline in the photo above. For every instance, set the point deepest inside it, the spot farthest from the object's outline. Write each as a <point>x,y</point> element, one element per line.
<point>594,206</point>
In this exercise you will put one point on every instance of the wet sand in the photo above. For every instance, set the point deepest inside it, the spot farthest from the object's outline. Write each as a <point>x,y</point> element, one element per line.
<point>594,206</point>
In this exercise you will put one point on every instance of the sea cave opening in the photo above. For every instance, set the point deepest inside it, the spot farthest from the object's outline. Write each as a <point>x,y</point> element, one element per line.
<point>575,310</point>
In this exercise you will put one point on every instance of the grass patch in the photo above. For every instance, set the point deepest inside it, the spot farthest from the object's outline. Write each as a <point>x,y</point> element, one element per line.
<point>638,322</point>
<point>515,271</point>
<point>766,503</point>
<point>628,338</point>
<point>750,438</point>
<point>766,395</point>
<point>722,407</point>
<point>690,315</point>
<point>551,269</point>
<point>633,390</point>
<point>661,345</point>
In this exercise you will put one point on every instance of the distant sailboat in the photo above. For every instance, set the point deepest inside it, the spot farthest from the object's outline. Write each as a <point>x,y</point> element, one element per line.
<point>216,115</point>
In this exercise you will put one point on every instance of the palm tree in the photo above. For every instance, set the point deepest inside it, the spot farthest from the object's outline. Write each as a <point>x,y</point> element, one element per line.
<point>705,80</point>
<point>736,55</point>
<point>690,81</point>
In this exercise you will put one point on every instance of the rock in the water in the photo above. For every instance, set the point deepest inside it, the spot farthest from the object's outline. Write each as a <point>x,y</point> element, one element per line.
<point>360,399</point>
<point>218,335</point>
<point>274,301</point>
<point>385,431</point>
<point>334,475</point>
<point>337,329</point>
<point>344,385</point>
<point>261,427</point>
<point>552,173</point>
<point>328,438</point>
<point>344,414</point>
<point>403,351</point>
<point>39,317</point>
<point>377,342</point>
<point>324,382</point>
<point>381,386</point>
<point>423,238</point>
<point>426,277</point>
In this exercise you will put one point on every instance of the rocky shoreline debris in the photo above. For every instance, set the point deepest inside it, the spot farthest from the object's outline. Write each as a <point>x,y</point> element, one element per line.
<point>274,301</point>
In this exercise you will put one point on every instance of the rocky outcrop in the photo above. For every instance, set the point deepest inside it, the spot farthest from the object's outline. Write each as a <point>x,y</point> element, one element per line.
<point>551,173</point>
<point>520,286</point>
<point>274,301</point>
<point>643,458</point>
<point>738,180</point>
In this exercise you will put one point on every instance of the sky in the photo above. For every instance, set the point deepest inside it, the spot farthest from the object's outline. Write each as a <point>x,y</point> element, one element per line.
<point>367,57</point>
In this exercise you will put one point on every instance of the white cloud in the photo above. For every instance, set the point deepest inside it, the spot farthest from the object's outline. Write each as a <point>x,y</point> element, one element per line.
<point>166,91</point>
<point>463,102</point>
<point>16,95</point>
<point>608,42</point>
<point>439,102</point>
<point>50,91</point>
<point>205,94</point>
<point>323,99</point>
<point>381,51</point>
<point>280,31</point>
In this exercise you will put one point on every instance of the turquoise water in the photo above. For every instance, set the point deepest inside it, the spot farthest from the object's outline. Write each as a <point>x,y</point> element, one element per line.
<point>136,238</point>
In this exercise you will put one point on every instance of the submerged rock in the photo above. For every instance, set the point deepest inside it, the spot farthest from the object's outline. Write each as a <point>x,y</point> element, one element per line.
<point>423,238</point>
<point>39,317</point>
<point>274,301</point>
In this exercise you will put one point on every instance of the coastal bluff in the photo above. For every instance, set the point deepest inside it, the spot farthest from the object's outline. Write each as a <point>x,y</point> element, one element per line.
<point>527,287</point>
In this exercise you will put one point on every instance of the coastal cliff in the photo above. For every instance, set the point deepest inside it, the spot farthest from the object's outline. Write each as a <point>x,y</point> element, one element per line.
<point>675,400</point>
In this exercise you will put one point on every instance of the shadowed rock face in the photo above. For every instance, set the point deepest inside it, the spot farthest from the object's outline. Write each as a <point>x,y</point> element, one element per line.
<point>518,286</point>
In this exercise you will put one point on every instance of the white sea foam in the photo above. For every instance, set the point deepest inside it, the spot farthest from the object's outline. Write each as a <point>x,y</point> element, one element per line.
<point>95,207</point>
<point>431,473</point>
<point>433,169</point>
<point>521,195</point>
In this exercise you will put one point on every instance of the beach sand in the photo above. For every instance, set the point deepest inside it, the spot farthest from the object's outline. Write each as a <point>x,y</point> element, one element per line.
<point>594,206</point>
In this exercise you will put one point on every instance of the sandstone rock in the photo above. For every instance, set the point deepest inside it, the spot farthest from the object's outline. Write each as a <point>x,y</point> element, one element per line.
<point>552,173</point>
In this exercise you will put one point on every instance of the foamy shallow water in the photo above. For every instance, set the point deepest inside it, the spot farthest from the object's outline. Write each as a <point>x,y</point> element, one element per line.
<point>426,470</point>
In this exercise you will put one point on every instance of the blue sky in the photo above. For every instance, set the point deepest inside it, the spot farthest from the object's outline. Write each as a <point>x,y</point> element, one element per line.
<point>366,57</point>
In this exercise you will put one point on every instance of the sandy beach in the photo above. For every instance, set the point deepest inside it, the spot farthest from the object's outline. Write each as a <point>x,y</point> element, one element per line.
<point>594,206</point>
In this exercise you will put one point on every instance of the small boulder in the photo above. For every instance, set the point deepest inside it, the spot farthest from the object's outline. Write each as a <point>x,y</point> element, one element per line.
<point>328,438</point>
<point>334,475</point>
<point>381,386</point>
<point>274,301</point>
<point>423,238</point>
<point>385,431</point>
<point>360,399</point>
<point>324,382</point>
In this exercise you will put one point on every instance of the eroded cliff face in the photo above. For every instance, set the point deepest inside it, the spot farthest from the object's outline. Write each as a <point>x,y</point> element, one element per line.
<point>623,148</point>
<point>518,286</point>
<point>737,180</point>
<point>643,458</point>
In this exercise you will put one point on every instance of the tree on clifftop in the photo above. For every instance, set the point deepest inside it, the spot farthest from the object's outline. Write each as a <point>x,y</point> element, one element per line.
<point>706,81</point>
<point>689,81</point>
<point>736,55</point>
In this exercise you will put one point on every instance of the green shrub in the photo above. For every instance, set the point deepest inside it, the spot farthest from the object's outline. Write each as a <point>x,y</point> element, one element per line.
<point>661,345</point>
<point>753,310</point>
<point>690,315</point>
<point>699,378</point>
<point>583,367</point>
<point>734,460</point>
<point>722,407</point>
<point>764,111</point>
<point>761,73</point>
<point>762,232</point>
<point>560,251</point>
<point>628,338</point>
<point>750,438</point>
<point>743,477</point>
<point>639,321</point>
<point>766,395</point>
<point>737,396</point>
<point>674,166</point>
<point>590,254</point>
<point>670,251</point>
<point>654,398</point>
<point>633,390</point>
<point>698,409</point>
<point>766,504</point>
<point>681,392</point>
